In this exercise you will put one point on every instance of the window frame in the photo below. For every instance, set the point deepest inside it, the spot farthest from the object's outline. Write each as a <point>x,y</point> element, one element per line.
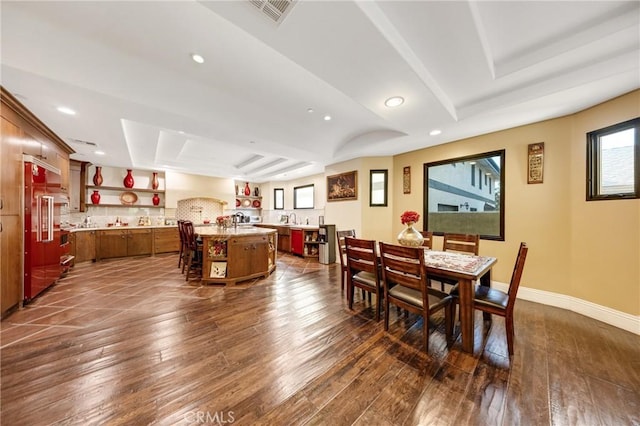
<point>277,191</point>
<point>593,162</point>
<point>385,174</point>
<point>470,158</point>
<point>295,196</point>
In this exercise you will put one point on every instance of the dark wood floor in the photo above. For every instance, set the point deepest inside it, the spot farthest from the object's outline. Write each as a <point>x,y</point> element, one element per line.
<point>129,342</point>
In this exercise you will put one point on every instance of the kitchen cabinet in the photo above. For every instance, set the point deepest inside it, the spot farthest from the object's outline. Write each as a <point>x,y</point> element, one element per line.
<point>84,246</point>
<point>166,240</point>
<point>10,262</point>
<point>123,242</point>
<point>305,242</point>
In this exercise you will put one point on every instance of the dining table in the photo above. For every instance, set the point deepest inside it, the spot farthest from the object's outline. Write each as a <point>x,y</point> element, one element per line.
<point>466,269</point>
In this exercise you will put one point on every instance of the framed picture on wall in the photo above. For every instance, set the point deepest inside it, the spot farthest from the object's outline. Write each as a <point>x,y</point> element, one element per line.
<point>343,187</point>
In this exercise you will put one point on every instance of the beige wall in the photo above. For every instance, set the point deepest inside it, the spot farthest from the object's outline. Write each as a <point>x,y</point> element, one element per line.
<point>587,250</point>
<point>182,186</point>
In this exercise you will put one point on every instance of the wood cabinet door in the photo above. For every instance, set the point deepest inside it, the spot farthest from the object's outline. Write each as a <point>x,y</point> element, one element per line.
<point>166,240</point>
<point>284,243</point>
<point>85,246</point>
<point>10,262</point>
<point>247,255</point>
<point>139,242</point>
<point>11,170</point>
<point>111,244</point>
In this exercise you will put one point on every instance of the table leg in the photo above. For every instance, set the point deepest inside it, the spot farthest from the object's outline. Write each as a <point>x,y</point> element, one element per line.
<point>466,293</point>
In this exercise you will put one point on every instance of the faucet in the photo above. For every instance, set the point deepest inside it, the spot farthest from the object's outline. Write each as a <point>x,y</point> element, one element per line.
<point>293,221</point>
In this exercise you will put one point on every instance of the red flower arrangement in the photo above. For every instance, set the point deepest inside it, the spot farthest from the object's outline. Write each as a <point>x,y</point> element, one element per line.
<point>409,216</point>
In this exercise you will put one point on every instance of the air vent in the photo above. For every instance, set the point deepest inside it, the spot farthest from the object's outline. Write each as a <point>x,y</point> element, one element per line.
<point>79,141</point>
<point>274,9</point>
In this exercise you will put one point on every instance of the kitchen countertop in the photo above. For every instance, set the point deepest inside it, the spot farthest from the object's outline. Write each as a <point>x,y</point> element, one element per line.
<point>110,228</point>
<point>290,225</point>
<point>231,231</point>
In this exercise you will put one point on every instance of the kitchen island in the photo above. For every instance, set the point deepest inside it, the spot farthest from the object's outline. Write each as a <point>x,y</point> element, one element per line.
<point>237,254</point>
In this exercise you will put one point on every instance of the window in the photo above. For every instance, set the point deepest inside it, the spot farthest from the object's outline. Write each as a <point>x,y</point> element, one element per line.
<point>278,198</point>
<point>453,203</point>
<point>378,188</point>
<point>613,162</point>
<point>303,197</point>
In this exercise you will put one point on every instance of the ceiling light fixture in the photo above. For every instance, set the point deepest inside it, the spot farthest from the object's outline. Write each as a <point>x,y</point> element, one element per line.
<point>66,110</point>
<point>435,132</point>
<point>394,101</point>
<point>99,152</point>
<point>197,58</point>
<point>327,117</point>
<point>309,109</point>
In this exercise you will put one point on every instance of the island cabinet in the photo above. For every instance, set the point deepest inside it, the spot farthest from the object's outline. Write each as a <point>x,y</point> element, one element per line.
<point>231,256</point>
<point>123,242</point>
<point>284,236</point>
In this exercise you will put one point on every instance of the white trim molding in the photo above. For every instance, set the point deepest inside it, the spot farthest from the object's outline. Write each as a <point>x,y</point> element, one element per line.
<point>605,314</point>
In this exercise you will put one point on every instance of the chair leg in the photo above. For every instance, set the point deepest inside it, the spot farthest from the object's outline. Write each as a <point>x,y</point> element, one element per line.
<point>425,331</point>
<point>188,264</point>
<point>508,322</point>
<point>449,312</point>
<point>350,291</point>
<point>377,305</point>
<point>342,278</point>
<point>386,314</point>
<point>180,255</point>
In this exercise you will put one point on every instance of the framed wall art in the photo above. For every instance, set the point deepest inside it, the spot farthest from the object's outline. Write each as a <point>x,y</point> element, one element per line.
<point>535,163</point>
<point>342,187</point>
<point>406,180</point>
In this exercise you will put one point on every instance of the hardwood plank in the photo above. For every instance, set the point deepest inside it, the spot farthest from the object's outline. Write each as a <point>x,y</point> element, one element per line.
<point>128,341</point>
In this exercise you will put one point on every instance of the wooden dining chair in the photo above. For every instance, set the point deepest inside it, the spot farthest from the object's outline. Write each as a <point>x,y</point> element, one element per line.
<point>405,285</point>
<point>428,239</point>
<point>343,255</point>
<point>497,302</point>
<point>461,243</point>
<point>193,250</point>
<point>363,270</point>
<point>182,253</point>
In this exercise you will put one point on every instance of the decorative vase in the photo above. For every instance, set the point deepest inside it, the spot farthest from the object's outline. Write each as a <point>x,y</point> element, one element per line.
<point>97,177</point>
<point>410,236</point>
<point>128,179</point>
<point>155,199</point>
<point>95,197</point>
<point>247,190</point>
<point>256,191</point>
<point>154,181</point>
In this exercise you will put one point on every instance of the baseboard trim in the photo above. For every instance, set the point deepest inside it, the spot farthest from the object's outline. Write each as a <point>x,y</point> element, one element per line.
<point>605,314</point>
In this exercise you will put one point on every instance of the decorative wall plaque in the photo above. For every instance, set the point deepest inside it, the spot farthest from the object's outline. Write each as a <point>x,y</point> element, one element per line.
<point>406,180</point>
<point>535,163</point>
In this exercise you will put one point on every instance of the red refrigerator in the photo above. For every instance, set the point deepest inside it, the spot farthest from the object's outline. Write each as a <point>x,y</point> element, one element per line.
<point>43,200</point>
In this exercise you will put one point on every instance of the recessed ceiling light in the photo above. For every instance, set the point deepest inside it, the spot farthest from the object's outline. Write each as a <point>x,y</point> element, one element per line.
<point>66,110</point>
<point>309,109</point>
<point>435,132</point>
<point>394,101</point>
<point>327,117</point>
<point>99,152</point>
<point>197,58</point>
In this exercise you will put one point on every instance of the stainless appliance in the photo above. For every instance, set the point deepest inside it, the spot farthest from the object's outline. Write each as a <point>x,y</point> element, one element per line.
<point>327,244</point>
<point>43,200</point>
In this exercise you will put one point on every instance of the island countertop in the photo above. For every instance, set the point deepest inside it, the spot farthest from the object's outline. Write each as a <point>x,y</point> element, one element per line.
<point>215,231</point>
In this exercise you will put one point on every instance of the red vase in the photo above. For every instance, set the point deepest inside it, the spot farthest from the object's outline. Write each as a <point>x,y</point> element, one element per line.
<point>128,179</point>
<point>247,190</point>
<point>95,197</point>
<point>154,181</point>
<point>97,177</point>
<point>155,199</point>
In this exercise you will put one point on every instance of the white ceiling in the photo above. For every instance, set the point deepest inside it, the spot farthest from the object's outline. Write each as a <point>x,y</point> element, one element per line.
<point>466,68</point>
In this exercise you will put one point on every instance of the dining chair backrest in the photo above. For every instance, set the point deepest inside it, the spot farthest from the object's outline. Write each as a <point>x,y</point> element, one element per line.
<point>341,235</point>
<point>514,284</point>
<point>361,255</point>
<point>465,243</point>
<point>428,239</point>
<point>404,266</point>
